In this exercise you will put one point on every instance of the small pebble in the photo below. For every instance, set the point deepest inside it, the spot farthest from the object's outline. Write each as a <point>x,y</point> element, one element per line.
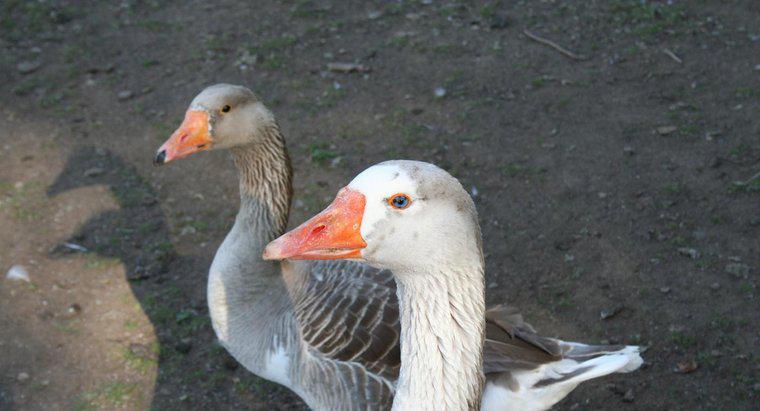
<point>188,230</point>
<point>26,67</point>
<point>629,150</point>
<point>665,290</point>
<point>715,285</point>
<point>629,395</point>
<point>93,172</point>
<point>347,67</point>
<point>125,95</point>
<point>18,273</point>
<point>689,252</point>
<point>22,376</point>
<point>609,313</point>
<point>665,130</point>
<point>74,309</point>
<point>737,269</point>
<point>440,92</point>
<point>373,15</point>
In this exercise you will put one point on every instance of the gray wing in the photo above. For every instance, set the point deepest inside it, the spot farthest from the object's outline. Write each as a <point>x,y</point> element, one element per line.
<point>541,371</point>
<point>512,344</point>
<point>348,311</point>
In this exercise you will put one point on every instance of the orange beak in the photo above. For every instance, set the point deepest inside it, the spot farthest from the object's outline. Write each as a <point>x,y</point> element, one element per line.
<point>333,234</point>
<point>191,137</point>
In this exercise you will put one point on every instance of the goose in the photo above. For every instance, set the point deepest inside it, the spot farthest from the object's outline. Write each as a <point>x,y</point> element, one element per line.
<point>416,221</point>
<point>272,317</point>
<point>326,330</point>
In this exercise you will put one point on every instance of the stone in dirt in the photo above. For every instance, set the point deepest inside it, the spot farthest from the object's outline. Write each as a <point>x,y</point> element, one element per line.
<point>125,95</point>
<point>26,67</point>
<point>609,313</point>
<point>737,269</point>
<point>689,252</point>
<point>74,309</point>
<point>665,130</point>
<point>93,172</point>
<point>347,68</point>
<point>18,273</point>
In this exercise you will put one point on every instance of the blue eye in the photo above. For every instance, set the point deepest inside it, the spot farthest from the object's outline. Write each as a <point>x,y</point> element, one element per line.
<point>400,201</point>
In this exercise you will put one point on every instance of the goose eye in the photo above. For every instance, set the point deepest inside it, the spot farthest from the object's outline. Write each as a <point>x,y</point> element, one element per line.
<point>226,109</point>
<point>400,201</point>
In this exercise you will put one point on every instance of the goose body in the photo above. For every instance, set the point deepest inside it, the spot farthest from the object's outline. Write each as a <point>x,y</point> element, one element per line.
<point>328,330</point>
<point>415,220</point>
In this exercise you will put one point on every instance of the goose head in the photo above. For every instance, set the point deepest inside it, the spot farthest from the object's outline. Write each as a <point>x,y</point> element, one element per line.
<point>221,116</point>
<point>398,214</point>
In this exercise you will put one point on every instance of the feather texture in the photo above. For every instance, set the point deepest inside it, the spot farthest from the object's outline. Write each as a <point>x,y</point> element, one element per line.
<point>330,330</point>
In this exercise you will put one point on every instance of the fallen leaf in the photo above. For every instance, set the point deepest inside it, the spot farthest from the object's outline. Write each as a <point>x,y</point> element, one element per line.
<point>685,367</point>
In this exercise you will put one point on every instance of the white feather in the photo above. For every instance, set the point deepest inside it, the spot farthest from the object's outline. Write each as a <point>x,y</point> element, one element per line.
<point>524,395</point>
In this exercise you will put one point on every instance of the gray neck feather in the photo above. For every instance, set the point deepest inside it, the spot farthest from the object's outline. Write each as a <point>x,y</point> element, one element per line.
<point>247,296</point>
<point>442,333</point>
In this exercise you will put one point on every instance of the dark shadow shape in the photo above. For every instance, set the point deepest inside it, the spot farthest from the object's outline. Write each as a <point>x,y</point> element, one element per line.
<point>163,282</point>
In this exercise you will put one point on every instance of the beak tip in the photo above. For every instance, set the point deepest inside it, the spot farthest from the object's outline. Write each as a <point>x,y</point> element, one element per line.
<point>160,158</point>
<point>271,252</point>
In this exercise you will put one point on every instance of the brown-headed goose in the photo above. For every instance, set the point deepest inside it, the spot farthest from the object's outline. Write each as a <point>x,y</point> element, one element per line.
<point>416,220</point>
<point>326,330</point>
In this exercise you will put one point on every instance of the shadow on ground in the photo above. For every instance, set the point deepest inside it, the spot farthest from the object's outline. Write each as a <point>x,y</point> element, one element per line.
<point>166,284</point>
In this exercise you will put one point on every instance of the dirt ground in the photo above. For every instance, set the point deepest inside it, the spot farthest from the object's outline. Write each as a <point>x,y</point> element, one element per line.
<point>617,184</point>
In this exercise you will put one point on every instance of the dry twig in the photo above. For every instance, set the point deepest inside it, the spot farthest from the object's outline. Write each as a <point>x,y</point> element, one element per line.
<point>554,45</point>
<point>672,55</point>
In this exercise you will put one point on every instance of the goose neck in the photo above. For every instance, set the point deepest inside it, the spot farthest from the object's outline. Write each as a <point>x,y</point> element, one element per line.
<point>442,333</point>
<point>265,180</point>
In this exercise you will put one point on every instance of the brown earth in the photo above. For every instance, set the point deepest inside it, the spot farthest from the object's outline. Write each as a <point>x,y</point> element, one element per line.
<point>624,181</point>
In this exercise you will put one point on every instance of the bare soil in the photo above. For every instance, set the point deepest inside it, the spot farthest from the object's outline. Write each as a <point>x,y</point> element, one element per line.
<point>618,190</point>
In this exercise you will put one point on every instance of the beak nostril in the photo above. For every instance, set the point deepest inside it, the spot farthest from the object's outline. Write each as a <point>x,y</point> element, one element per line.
<point>318,229</point>
<point>183,137</point>
<point>160,158</point>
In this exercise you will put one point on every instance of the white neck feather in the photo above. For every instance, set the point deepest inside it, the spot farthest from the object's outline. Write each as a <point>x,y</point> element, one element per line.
<point>442,331</point>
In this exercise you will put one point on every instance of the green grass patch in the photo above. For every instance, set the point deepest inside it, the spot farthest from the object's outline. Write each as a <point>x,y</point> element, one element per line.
<point>647,19</point>
<point>672,188</point>
<point>142,364</point>
<point>683,340</point>
<point>116,394</point>
<point>320,153</point>
<point>23,202</point>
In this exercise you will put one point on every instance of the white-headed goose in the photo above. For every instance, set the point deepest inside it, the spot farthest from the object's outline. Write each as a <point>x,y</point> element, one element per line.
<point>416,220</point>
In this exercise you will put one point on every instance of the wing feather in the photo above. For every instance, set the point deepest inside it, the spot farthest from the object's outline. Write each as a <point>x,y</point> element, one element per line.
<point>348,312</point>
